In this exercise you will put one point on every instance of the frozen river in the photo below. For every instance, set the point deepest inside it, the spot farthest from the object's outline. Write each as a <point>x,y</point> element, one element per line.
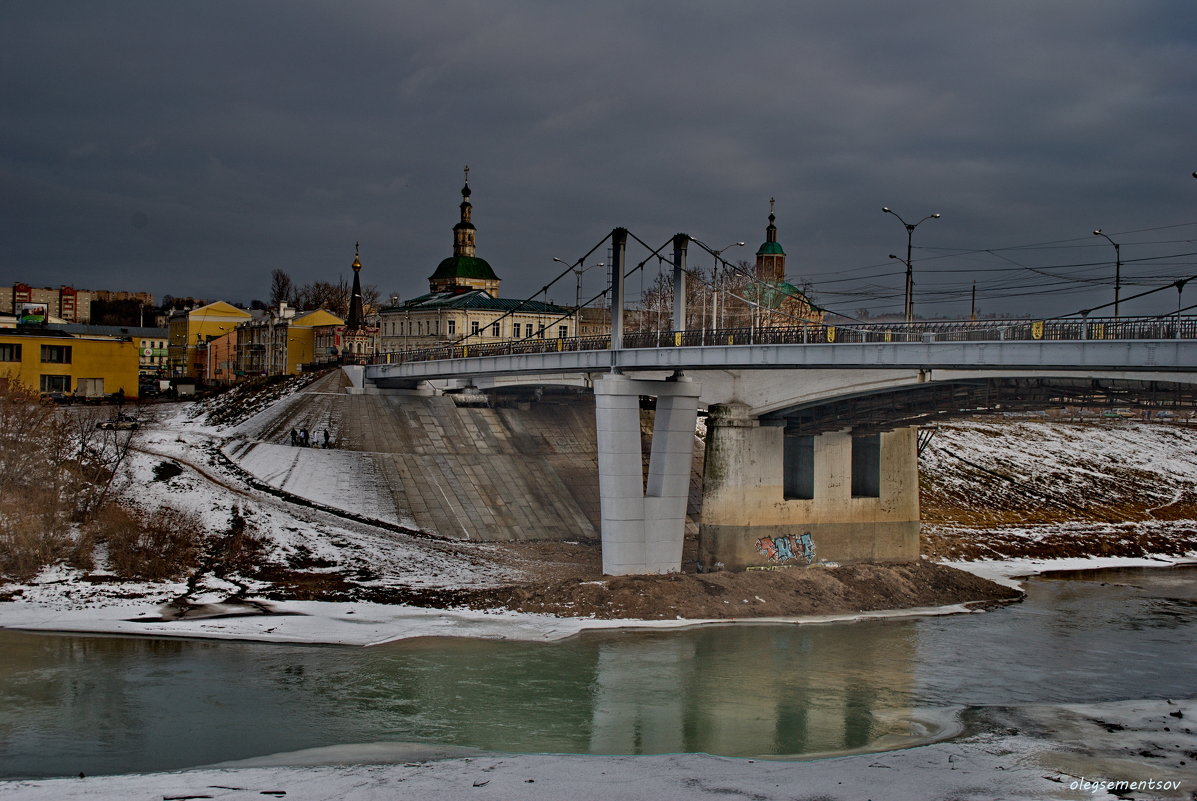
<point>98,704</point>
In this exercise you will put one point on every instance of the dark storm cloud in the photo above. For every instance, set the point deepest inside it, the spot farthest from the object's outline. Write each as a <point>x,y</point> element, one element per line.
<point>190,148</point>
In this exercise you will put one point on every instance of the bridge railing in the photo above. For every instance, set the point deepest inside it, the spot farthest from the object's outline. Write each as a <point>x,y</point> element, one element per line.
<point>1104,328</point>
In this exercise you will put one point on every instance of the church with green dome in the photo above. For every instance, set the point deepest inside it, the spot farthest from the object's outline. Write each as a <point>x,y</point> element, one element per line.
<point>770,257</point>
<point>777,301</point>
<point>463,306</point>
<point>464,268</point>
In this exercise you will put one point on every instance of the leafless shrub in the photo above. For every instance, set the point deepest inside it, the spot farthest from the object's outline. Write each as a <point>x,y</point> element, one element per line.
<point>33,533</point>
<point>98,456</point>
<point>162,545</point>
<point>58,470</point>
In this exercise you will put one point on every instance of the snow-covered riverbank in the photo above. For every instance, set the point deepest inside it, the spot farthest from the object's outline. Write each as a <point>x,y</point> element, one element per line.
<point>356,623</point>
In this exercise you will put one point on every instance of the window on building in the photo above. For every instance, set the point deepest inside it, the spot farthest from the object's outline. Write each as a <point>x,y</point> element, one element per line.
<point>798,468</point>
<point>540,332</point>
<point>562,331</point>
<point>866,466</point>
<point>436,327</point>
<point>452,327</point>
<point>10,352</point>
<point>56,354</point>
<point>515,331</point>
<point>494,330</point>
<point>474,328</point>
<point>56,383</point>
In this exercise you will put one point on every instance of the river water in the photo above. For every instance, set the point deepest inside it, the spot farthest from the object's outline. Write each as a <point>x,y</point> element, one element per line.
<point>91,704</point>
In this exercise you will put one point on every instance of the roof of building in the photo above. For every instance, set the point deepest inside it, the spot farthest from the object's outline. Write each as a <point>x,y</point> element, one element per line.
<point>112,330</point>
<point>316,317</point>
<point>464,267</point>
<point>770,248</point>
<point>216,308</point>
<point>476,299</point>
<point>771,294</point>
<point>56,332</point>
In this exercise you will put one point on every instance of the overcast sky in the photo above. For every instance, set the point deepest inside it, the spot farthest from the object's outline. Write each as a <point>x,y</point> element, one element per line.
<point>190,148</point>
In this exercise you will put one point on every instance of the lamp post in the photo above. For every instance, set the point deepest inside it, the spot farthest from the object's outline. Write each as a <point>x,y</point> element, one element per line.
<point>578,270</point>
<point>715,284</point>
<point>1117,267</point>
<point>909,307</point>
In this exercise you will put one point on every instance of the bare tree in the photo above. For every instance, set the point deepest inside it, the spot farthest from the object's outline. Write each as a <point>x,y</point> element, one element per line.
<point>281,287</point>
<point>100,454</point>
<point>370,300</point>
<point>324,295</point>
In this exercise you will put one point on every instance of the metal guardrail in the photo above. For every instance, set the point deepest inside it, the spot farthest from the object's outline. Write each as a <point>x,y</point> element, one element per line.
<point>1106,328</point>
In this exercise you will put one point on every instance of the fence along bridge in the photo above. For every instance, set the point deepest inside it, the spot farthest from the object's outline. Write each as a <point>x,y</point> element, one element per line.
<point>811,451</point>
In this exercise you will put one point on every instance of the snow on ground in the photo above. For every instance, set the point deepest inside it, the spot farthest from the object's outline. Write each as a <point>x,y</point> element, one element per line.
<point>359,623</point>
<point>1061,450</point>
<point>1006,754</point>
<point>348,480</point>
<point>214,491</point>
<point>1009,571</point>
<point>294,534</point>
<point>1142,465</point>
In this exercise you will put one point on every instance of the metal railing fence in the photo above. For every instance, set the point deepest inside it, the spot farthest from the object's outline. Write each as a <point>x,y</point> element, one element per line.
<point>821,334</point>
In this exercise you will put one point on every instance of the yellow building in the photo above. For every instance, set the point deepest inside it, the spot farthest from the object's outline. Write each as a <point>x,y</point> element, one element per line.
<point>192,328</point>
<point>284,340</point>
<point>88,366</point>
<point>301,337</point>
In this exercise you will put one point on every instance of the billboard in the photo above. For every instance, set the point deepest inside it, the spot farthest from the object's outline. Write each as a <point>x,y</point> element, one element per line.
<point>32,313</point>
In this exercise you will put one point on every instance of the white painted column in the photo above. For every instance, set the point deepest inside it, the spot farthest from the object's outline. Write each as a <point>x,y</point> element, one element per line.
<point>621,476</point>
<point>643,530</point>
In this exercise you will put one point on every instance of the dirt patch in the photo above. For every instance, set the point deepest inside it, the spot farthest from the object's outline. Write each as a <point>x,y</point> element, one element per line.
<point>764,593</point>
<point>772,593</point>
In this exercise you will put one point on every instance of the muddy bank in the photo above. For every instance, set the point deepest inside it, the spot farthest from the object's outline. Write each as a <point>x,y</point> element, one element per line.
<point>773,593</point>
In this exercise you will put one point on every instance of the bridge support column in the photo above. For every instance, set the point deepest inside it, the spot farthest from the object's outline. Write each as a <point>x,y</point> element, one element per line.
<point>826,510</point>
<point>642,528</point>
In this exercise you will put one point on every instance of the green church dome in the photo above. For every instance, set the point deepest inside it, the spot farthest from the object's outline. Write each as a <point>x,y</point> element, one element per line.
<point>770,249</point>
<point>464,267</point>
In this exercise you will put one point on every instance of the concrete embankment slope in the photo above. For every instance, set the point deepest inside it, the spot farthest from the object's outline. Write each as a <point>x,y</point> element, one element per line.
<point>522,472</point>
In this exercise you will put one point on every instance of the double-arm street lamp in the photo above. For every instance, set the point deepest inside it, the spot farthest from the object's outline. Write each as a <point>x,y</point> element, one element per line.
<point>715,283</point>
<point>909,307</point>
<point>578,270</point>
<point>1117,267</point>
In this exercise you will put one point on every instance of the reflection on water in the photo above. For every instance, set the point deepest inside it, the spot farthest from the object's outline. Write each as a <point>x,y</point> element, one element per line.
<point>749,690</point>
<point>107,704</point>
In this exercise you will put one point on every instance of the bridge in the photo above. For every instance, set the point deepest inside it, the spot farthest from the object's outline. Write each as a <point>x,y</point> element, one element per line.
<point>811,447</point>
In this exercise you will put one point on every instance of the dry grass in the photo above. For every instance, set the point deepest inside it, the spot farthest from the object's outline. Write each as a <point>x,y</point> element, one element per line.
<point>33,534</point>
<point>162,545</point>
<point>58,474</point>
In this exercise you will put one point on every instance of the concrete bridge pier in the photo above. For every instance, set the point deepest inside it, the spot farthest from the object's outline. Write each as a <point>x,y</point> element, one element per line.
<point>643,527</point>
<point>775,500</point>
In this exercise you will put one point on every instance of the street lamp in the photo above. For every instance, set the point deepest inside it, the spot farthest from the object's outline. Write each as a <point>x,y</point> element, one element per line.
<point>909,308</point>
<point>1117,267</point>
<point>715,283</point>
<point>578,270</point>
